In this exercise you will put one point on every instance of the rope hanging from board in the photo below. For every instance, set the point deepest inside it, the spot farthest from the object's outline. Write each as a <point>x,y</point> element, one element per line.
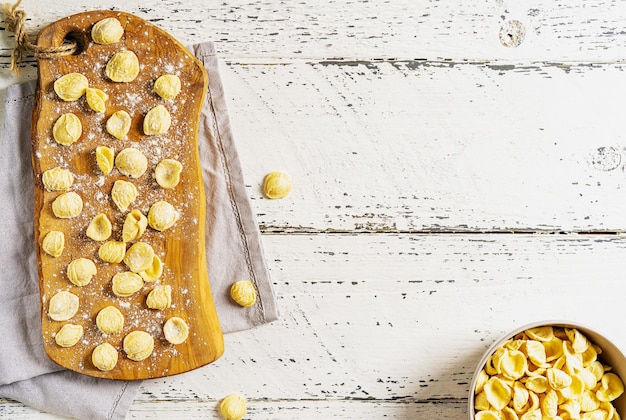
<point>15,19</point>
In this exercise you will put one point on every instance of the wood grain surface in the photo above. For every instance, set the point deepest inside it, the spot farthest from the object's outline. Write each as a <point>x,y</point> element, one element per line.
<point>448,189</point>
<point>181,248</point>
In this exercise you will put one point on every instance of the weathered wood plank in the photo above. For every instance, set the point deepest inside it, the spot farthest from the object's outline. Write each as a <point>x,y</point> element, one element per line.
<point>403,410</point>
<point>405,317</point>
<point>399,318</point>
<point>268,409</point>
<point>367,29</point>
<point>407,146</point>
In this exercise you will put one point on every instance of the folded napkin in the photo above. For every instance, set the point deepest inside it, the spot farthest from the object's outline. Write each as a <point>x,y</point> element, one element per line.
<point>234,252</point>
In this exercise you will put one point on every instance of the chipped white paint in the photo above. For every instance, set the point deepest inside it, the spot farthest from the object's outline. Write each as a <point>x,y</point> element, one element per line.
<point>400,122</point>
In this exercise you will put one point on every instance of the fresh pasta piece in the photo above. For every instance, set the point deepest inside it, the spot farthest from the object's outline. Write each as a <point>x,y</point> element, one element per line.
<point>536,352</point>
<point>162,215</point>
<point>80,271</point>
<point>233,407</point>
<point>110,320</point>
<point>104,159</point>
<point>67,129</point>
<point>67,205</point>
<point>575,390</point>
<point>138,345</point>
<point>537,384</point>
<point>131,162</point>
<point>160,297</point>
<point>112,251</point>
<point>96,99</point>
<point>57,179</point>
<point>571,408</point>
<point>167,173</point>
<point>176,330</point>
<point>154,271</point>
<point>63,306</point>
<point>480,402</point>
<point>68,335</point>
<point>578,340</point>
<point>139,257</point>
<point>134,226</point>
<point>100,228</point>
<point>589,401</point>
<point>167,86</point>
<point>545,333</point>
<point>519,398</point>
<point>118,124</point>
<point>126,284</point>
<point>123,194</point>
<point>498,392</point>
<point>513,364</point>
<point>71,87</point>
<point>157,121</point>
<point>53,243</point>
<point>122,67</point>
<point>488,415</point>
<point>553,349</point>
<point>104,357</point>
<point>611,388</point>
<point>558,379</point>
<point>107,31</point>
<point>277,185</point>
<point>243,293</point>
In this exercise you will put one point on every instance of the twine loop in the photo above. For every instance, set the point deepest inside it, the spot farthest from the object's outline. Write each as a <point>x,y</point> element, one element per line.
<point>15,19</point>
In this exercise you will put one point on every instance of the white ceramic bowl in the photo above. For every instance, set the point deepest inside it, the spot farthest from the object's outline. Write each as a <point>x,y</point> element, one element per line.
<point>611,356</point>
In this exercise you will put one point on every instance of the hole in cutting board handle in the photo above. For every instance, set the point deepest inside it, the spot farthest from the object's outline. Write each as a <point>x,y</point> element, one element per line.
<point>78,38</point>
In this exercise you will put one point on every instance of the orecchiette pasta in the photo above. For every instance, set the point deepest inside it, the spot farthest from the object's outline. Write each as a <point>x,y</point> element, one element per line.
<point>167,173</point>
<point>126,284</point>
<point>57,179</point>
<point>104,159</point>
<point>107,31</point>
<point>131,162</point>
<point>243,293</point>
<point>160,297</point>
<point>123,194</point>
<point>112,251</point>
<point>157,121</point>
<point>63,306</point>
<point>162,215</point>
<point>96,99</point>
<point>138,345</point>
<point>104,357</point>
<point>81,271</point>
<point>134,226</point>
<point>69,335</point>
<point>139,257</point>
<point>122,67</point>
<point>110,320</point>
<point>167,86</point>
<point>67,129</point>
<point>53,243</point>
<point>176,330</point>
<point>67,205</point>
<point>118,124</point>
<point>100,228</point>
<point>71,87</point>
<point>154,271</point>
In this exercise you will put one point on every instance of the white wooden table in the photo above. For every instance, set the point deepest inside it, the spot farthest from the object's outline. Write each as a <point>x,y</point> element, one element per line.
<point>448,188</point>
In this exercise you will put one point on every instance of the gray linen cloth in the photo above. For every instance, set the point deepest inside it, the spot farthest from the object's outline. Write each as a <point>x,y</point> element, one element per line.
<point>234,252</point>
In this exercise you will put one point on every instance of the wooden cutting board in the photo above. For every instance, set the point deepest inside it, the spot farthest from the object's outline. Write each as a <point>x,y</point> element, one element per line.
<point>181,248</point>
